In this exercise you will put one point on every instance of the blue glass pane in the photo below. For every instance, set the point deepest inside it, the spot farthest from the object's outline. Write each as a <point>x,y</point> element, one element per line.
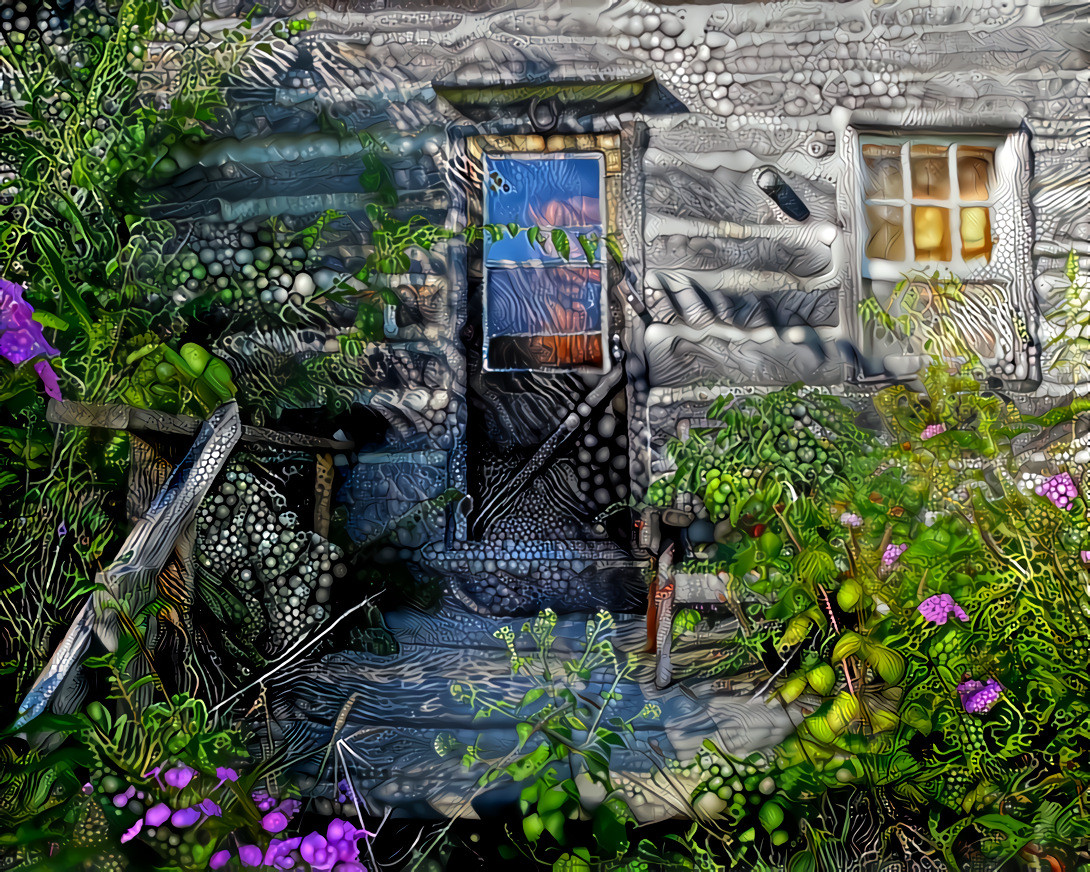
<point>548,301</point>
<point>554,191</point>
<point>518,249</point>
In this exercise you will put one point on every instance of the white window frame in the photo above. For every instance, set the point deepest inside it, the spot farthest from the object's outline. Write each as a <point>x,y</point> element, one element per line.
<point>600,263</point>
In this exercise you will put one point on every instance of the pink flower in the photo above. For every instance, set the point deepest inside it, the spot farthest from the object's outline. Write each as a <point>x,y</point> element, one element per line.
<point>1085,555</point>
<point>932,430</point>
<point>157,814</point>
<point>179,776</point>
<point>977,697</point>
<point>1060,490</point>
<point>133,831</point>
<point>219,859</point>
<point>939,607</point>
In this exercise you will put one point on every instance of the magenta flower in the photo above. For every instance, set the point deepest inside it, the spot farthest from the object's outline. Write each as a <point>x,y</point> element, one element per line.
<point>977,697</point>
<point>274,822</point>
<point>179,776</point>
<point>250,855</point>
<point>133,831</point>
<point>219,859</point>
<point>157,814</point>
<point>938,608</point>
<point>932,430</point>
<point>21,337</point>
<point>185,817</point>
<point>1060,490</point>
<point>210,808</point>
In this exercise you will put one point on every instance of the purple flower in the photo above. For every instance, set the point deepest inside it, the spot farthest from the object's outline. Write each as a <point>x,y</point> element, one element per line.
<point>210,808</point>
<point>849,519</point>
<point>154,773</point>
<point>225,773</point>
<point>157,814</point>
<point>250,855</point>
<point>349,866</point>
<point>133,831</point>
<point>122,799</point>
<point>179,776</point>
<point>932,430</point>
<point>21,337</point>
<point>274,822</point>
<point>219,859</point>
<point>1060,490</point>
<point>279,852</point>
<point>893,553</point>
<point>289,807</point>
<point>263,801</point>
<point>185,817</point>
<point>977,697</point>
<point>938,608</point>
<point>315,850</point>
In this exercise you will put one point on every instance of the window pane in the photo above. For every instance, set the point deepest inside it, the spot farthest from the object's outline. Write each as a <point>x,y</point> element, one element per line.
<point>931,233</point>
<point>553,191</point>
<point>930,172</point>
<point>545,301</point>
<point>887,238</point>
<point>974,172</point>
<point>545,352</point>
<point>976,233</point>
<point>883,166</point>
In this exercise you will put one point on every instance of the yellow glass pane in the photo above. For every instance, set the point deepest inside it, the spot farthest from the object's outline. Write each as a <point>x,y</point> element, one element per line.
<point>887,239</point>
<point>883,172</point>
<point>930,172</point>
<point>931,233</point>
<point>976,233</point>
<point>974,171</point>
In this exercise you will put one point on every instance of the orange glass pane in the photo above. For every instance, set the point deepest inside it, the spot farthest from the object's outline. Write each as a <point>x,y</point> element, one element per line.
<point>930,172</point>
<point>545,352</point>
<point>974,172</point>
<point>976,233</point>
<point>883,172</point>
<point>887,239</point>
<point>931,233</point>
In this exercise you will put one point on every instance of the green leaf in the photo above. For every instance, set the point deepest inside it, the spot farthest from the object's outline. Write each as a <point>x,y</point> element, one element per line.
<point>47,319</point>
<point>849,643</point>
<point>523,730</point>
<point>561,243</point>
<point>589,244</point>
<point>614,249</point>
<point>513,229</point>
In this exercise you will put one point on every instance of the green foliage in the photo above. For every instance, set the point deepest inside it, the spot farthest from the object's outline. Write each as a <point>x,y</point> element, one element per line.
<point>836,625</point>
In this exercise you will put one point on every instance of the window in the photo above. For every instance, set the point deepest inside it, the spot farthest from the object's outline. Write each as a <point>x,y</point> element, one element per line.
<point>544,308</point>
<point>928,203</point>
